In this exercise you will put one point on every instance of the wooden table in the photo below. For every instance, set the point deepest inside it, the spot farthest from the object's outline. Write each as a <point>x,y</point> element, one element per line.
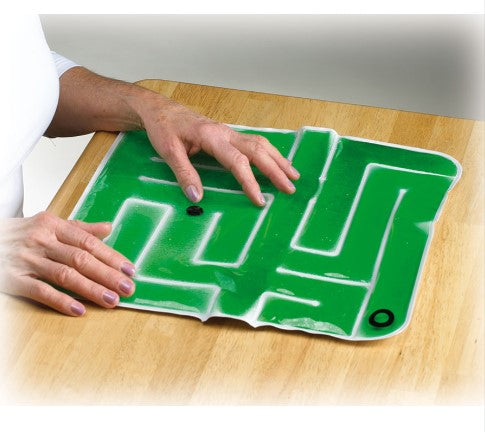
<point>135,357</point>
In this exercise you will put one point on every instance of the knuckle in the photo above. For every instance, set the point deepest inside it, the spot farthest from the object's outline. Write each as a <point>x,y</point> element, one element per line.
<point>49,296</point>
<point>25,256</point>
<point>259,147</point>
<point>88,243</point>
<point>63,274</point>
<point>170,149</point>
<point>94,293</point>
<point>257,150</point>
<point>35,237</point>
<point>76,223</point>
<point>240,160</point>
<point>261,141</point>
<point>81,259</point>
<point>208,129</point>
<point>45,218</point>
<point>41,231</point>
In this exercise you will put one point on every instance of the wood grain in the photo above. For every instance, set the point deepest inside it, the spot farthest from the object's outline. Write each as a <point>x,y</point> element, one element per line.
<point>133,357</point>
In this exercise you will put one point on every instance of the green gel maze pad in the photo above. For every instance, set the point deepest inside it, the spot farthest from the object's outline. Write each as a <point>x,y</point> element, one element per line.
<point>342,256</point>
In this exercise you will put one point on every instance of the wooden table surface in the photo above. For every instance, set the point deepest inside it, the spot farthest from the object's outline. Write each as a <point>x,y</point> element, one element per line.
<point>134,357</point>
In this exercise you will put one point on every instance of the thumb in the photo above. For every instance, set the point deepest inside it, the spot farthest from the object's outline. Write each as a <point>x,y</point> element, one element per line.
<point>187,176</point>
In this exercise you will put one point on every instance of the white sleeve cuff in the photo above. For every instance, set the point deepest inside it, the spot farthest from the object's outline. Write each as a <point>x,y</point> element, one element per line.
<point>62,64</point>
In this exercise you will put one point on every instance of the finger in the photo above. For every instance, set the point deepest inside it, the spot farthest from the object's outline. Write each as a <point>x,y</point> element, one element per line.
<point>67,277</point>
<point>74,236</point>
<point>270,169</point>
<point>176,157</point>
<point>238,164</point>
<point>49,296</point>
<point>98,229</point>
<point>90,267</point>
<point>258,155</point>
<point>257,144</point>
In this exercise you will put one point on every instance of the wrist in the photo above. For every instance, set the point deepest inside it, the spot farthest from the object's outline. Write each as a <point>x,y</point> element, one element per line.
<point>144,103</point>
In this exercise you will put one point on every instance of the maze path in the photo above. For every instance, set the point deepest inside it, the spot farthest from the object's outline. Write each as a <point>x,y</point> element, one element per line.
<point>340,257</point>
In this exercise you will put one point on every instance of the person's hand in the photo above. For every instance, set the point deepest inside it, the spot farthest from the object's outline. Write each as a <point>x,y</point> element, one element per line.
<point>177,133</point>
<point>45,249</point>
<point>89,102</point>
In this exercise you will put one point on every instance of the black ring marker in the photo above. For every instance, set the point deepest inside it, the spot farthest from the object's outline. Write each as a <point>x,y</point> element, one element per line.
<point>388,322</point>
<point>194,210</point>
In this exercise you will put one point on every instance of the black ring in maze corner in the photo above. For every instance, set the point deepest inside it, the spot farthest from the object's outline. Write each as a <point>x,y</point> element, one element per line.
<point>387,323</point>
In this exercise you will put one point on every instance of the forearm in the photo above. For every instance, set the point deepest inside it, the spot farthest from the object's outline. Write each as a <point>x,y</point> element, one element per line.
<point>89,102</point>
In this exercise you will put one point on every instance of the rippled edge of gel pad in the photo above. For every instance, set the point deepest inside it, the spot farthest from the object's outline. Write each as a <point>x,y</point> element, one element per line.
<point>301,323</point>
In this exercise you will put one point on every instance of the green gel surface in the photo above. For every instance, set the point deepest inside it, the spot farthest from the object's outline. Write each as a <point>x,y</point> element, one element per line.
<point>350,242</point>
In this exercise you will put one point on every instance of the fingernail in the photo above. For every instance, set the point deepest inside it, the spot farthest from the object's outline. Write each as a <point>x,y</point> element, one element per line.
<point>261,199</point>
<point>110,297</point>
<point>291,186</point>
<point>192,193</point>
<point>77,309</point>
<point>128,269</point>
<point>126,286</point>
<point>294,172</point>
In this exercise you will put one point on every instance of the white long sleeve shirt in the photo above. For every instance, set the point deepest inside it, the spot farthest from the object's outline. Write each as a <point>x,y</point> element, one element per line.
<point>31,93</point>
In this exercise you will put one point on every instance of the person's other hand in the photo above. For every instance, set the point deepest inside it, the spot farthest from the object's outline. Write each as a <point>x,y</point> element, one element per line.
<point>45,249</point>
<point>177,133</point>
